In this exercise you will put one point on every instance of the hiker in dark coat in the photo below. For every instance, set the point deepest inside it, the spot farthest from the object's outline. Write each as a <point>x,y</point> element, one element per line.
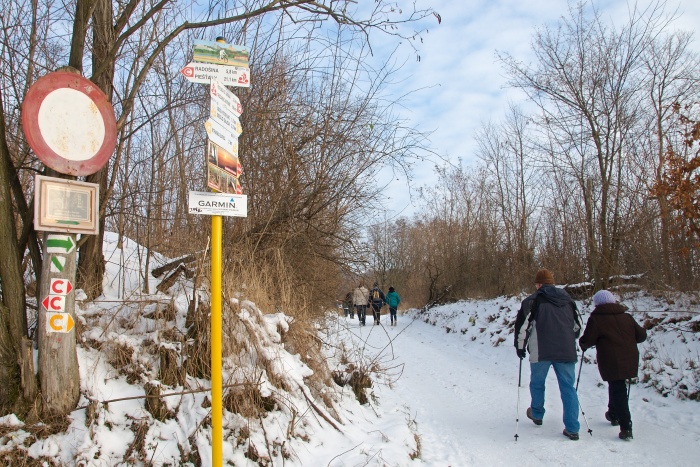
<point>376,301</point>
<point>615,335</point>
<point>547,326</point>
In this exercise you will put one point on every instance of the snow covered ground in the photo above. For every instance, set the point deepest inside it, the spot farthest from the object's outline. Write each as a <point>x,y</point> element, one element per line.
<point>445,391</point>
<point>462,393</point>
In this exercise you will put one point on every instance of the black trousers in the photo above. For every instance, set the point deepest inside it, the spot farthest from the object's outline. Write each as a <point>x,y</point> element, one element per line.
<point>618,403</point>
<point>376,312</point>
<point>361,312</point>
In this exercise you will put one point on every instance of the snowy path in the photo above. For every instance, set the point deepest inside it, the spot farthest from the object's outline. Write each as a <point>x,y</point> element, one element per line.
<point>463,396</point>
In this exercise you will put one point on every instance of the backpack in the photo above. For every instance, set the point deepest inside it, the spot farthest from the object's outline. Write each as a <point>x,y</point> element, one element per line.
<point>375,295</point>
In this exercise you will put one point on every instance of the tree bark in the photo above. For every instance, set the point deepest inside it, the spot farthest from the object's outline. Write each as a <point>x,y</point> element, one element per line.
<point>16,373</point>
<point>91,265</point>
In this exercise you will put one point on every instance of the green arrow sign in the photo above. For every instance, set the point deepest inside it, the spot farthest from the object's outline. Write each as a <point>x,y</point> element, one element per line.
<point>60,244</point>
<point>57,263</point>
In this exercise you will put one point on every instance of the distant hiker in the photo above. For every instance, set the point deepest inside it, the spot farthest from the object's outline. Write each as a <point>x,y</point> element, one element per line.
<point>376,301</point>
<point>360,297</point>
<point>548,325</point>
<point>615,335</point>
<point>348,307</point>
<point>393,300</point>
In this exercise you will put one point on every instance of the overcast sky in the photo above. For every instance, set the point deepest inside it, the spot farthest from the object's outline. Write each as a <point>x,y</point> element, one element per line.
<point>461,82</point>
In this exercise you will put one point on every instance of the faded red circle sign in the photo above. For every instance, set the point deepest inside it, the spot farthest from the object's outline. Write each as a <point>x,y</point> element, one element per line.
<point>69,123</point>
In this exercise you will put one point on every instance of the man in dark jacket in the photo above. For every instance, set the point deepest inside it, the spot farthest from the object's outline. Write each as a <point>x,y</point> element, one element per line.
<point>548,325</point>
<point>615,334</point>
<point>376,301</point>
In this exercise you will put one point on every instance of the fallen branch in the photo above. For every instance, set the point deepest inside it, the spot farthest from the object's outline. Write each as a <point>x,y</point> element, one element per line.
<point>318,410</point>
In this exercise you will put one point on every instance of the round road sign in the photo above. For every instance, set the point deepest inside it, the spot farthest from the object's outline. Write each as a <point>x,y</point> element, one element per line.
<point>69,123</point>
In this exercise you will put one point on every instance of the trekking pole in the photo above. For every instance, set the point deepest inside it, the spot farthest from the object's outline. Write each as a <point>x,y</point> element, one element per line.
<point>579,370</point>
<point>517,409</point>
<point>590,432</point>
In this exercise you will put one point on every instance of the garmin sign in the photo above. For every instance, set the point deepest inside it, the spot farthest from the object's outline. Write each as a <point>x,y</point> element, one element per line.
<point>217,204</point>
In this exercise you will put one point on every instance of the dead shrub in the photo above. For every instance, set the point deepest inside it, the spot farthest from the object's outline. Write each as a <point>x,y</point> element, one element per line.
<point>359,381</point>
<point>121,355</point>
<point>137,449</point>
<point>198,346</point>
<point>19,458</point>
<point>155,404</point>
<point>247,401</point>
<point>170,371</point>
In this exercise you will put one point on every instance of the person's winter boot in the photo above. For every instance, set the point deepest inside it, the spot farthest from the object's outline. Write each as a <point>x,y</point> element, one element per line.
<point>571,436</point>
<point>626,435</point>
<point>614,421</point>
<point>536,421</point>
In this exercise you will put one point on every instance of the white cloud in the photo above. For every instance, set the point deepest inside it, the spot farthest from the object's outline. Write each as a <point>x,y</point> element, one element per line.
<point>461,82</point>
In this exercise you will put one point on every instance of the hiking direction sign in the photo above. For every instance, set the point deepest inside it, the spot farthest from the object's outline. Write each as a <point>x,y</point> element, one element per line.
<point>205,73</point>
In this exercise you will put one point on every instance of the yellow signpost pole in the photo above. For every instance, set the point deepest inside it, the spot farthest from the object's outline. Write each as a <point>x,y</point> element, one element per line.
<point>216,324</point>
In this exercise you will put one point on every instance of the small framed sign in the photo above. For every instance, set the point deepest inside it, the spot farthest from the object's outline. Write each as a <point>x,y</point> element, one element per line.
<point>65,205</point>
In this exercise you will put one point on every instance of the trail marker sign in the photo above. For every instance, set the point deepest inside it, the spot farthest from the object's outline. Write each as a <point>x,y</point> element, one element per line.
<point>58,263</point>
<point>60,286</point>
<point>60,244</point>
<point>54,303</point>
<point>59,322</point>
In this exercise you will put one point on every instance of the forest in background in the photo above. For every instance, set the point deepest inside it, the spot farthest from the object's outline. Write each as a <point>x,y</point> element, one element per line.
<point>597,180</point>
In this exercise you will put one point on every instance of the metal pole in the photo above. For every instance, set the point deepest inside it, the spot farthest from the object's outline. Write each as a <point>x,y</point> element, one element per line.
<point>517,409</point>
<point>590,432</point>
<point>579,370</point>
<point>216,324</point>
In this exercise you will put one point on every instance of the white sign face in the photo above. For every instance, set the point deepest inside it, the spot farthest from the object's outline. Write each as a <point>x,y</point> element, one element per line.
<point>218,204</point>
<point>206,72</point>
<point>220,114</point>
<point>226,98</point>
<point>221,136</point>
<point>71,124</point>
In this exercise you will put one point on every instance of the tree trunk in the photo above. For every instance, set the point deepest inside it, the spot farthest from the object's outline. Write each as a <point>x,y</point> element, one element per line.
<point>91,266</point>
<point>58,360</point>
<point>15,373</point>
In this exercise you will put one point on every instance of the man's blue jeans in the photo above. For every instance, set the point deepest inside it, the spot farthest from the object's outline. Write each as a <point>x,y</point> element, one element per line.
<point>566,375</point>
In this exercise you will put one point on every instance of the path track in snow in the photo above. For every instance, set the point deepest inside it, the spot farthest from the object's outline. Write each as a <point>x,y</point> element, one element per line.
<point>463,395</point>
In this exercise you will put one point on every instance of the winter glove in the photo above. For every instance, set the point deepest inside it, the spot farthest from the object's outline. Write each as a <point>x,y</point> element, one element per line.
<point>521,353</point>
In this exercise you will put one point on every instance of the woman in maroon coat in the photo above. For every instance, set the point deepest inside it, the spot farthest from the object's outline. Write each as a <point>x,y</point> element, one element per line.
<point>615,334</point>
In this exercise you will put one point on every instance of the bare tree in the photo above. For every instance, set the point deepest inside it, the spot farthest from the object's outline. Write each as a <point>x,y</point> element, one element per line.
<point>587,84</point>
